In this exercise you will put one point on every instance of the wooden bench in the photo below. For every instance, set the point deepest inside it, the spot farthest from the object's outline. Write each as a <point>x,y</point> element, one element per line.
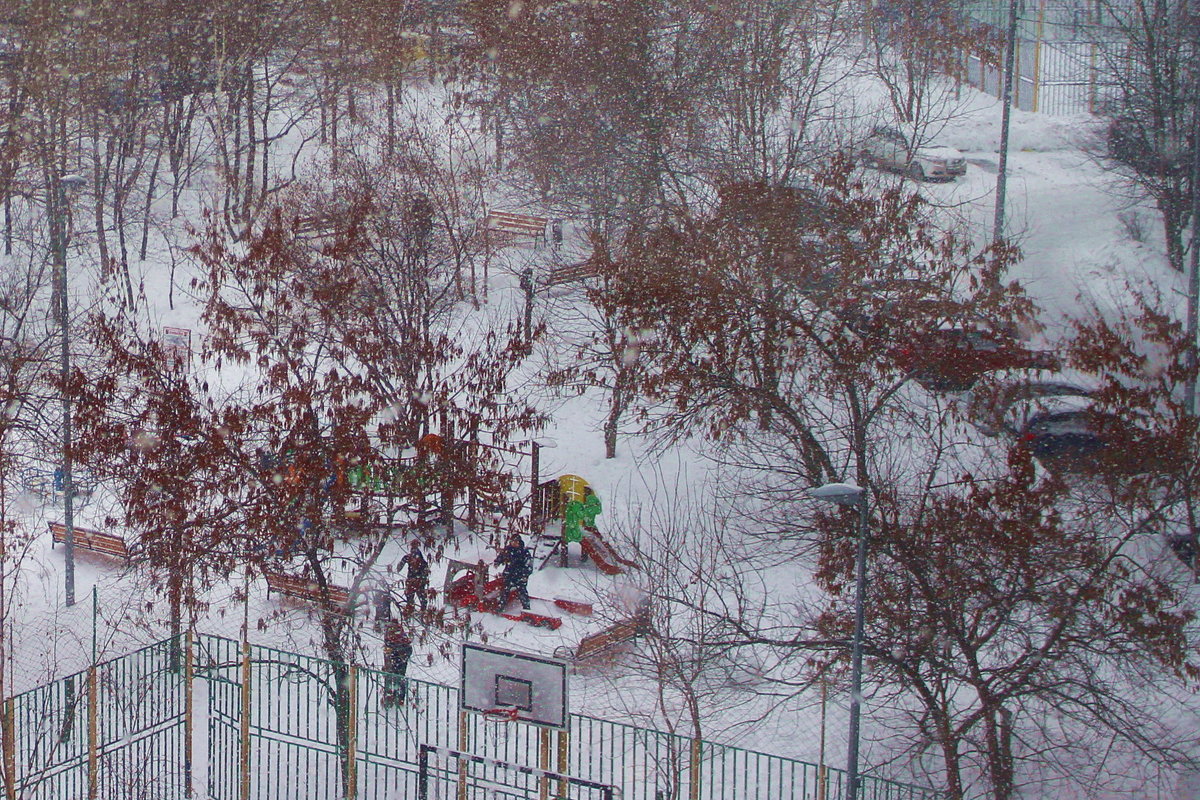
<point>606,641</point>
<point>88,539</point>
<point>305,589</point>
<point>516,225</point>
<point>569,273</point>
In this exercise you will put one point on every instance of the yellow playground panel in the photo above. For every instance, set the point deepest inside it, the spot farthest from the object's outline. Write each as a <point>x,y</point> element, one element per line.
<point>571,487</point>
<point>413,47</point>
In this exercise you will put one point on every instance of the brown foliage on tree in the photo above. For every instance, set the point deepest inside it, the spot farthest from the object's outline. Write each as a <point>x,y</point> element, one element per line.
<point>780,310</point>
<point>997,606</point>
<point>327,352</point>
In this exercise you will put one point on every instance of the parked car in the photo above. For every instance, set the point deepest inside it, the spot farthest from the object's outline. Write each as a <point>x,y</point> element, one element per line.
<point>952,359</point>
<point>1060,424</point>
<point>1007,409</point>
<point>889,149</point>
<point>1185,547</point>
<point>1089,440</point>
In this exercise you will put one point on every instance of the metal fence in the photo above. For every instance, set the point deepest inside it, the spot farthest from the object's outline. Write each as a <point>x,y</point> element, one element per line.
<point>1058,65</point>
<point>117,729</point>
<point>274,725</point>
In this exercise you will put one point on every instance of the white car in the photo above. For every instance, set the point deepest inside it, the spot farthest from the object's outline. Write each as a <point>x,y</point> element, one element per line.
<point>887,148</point>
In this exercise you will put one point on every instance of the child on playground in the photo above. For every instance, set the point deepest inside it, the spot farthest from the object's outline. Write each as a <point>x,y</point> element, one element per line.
<point>417,583</point>
<point>397,650</point>
<point>518,566</point>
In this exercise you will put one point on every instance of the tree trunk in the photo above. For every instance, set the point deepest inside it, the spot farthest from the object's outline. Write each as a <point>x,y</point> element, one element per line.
<point>616,407</point>
<point>997,736</point>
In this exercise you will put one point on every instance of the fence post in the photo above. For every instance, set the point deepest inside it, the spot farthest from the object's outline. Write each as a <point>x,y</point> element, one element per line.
<point>694,771</point>
<point>564,744</point>
<point>244,755</point>
<point>822,771</point>
<point>188,712</point>
<point>537,517</point>
<point>1093,78</point>
<point>352,734</point>
<point>93,764</point>
<point>463,747</point>
<point>544,762</point>
<point>10,761</point>
<point>1037,55</point>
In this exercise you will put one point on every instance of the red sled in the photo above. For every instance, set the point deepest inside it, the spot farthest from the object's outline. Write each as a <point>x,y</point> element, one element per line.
<point>463,593</point>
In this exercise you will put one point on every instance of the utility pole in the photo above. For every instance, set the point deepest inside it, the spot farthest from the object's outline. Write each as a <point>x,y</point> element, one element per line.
<point>58,243</point>
<point>1010,58</point>
<point>1193,295</point>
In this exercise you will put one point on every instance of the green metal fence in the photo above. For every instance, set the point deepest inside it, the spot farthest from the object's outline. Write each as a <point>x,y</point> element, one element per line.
<point>114,730</point>
<point>275,725</point>
<point>298,748</point>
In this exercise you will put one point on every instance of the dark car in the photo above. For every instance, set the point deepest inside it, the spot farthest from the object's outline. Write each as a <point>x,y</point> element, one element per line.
<point>1007,408</point>
<point>1071,435</point>
<point>1090,440</point>
<point>952,359</point>
<point>1185,547</point>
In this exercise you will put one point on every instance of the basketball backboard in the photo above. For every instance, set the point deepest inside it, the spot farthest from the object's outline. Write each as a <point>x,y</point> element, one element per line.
<point>535,686</point>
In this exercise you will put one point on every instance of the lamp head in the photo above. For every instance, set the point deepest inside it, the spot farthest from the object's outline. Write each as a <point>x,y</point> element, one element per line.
<point>842,494</point>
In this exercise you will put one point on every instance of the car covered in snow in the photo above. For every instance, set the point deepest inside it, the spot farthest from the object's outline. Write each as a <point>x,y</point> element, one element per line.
<point>1062,426</point>
<point>888,149</point>
<point>952,359</point>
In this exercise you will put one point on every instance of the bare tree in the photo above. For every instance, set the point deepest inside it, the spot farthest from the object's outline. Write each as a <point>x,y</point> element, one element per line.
<point>1149,50</point>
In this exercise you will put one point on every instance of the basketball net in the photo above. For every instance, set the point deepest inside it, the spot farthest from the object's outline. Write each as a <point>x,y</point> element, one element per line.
<point>503,713</point>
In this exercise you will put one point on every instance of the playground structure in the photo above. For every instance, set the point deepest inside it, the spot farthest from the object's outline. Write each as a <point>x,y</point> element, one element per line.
<point>444,479</point>
<point>552,500</point>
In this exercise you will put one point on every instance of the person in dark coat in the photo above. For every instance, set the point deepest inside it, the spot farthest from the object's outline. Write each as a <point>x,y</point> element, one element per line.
<point>518,566</point>
<point>417,583</point>
<point>397,650</point>
<point>383,608</point>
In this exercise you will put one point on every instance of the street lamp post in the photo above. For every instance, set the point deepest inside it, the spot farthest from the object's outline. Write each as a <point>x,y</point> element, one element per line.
<point>58,236</point>
<point>847,494</point>
<point>1010,57</point>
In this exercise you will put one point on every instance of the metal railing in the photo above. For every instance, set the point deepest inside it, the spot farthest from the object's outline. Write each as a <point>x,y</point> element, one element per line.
<point>116,729</point>
<point>277,724</point>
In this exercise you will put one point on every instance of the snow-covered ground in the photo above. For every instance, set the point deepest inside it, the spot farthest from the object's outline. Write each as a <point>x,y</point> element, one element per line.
<point>1077,254</point>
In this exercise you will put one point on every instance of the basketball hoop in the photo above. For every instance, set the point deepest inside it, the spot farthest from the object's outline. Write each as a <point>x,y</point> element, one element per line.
<point>503,713</point>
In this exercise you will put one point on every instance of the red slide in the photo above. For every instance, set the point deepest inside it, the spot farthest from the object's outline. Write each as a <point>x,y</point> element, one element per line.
<point>602,553</point>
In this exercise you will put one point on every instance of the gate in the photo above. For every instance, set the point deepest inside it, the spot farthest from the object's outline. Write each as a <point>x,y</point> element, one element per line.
<point>116,729</point>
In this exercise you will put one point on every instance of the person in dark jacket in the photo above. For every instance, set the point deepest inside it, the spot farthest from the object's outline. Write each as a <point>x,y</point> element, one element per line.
<point>518,566</point>
<point>397,650</point>
<point>383,608</point>
<point>417,583</point>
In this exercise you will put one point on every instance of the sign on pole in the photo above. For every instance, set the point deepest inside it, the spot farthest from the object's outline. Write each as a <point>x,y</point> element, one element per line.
<point>177,348</point>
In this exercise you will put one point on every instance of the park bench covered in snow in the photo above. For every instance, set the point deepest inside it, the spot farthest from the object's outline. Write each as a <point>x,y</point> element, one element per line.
<point>87,539</point>
<point>304,589</point>
<point>511,224</point>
